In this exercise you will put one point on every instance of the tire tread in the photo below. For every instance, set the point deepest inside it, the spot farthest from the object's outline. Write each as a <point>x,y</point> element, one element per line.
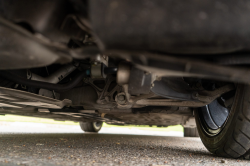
<point>237,141</point>
<point>88,127</point>
<point>190,132</point>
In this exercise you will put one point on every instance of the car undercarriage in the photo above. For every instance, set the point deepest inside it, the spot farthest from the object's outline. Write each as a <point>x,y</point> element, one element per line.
<point>124,62</point>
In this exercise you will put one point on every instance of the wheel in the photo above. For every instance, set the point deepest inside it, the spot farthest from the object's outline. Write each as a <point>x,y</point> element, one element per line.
<point>223,125</point>
<point>91,126</point>
<point>190,132</point>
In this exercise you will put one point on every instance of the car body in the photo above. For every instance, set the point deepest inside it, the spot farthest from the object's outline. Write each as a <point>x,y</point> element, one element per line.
<point>141,62</point>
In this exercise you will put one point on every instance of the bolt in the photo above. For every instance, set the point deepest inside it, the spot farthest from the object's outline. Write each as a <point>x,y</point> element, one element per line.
<point>152,85</point>
<point>195,95</point>
<point>158,78</point>
<point>107,98</point>
<point>121,97</point>
<point>104,57</point>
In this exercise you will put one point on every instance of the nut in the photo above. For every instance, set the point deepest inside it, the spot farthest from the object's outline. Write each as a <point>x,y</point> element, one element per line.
<point>121,97</point>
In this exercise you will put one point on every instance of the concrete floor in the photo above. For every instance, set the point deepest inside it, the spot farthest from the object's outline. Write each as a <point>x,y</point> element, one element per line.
<point>46,144</point>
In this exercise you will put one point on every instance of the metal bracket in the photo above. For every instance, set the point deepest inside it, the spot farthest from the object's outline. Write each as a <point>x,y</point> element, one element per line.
<point>18,99</point>
<point>104,95</point>
<point>203,98</point>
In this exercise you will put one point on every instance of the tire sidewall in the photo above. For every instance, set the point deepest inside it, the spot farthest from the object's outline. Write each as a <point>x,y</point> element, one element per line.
<point>212,143</point>
<point>97,128</point>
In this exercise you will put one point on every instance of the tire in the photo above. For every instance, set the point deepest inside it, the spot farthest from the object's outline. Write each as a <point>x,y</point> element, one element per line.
<point>91,126</point>
<point>232,138</point>
<point>190,132</point>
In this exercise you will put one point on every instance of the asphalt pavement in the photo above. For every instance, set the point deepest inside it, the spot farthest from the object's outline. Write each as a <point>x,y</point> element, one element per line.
<point>27,146</point>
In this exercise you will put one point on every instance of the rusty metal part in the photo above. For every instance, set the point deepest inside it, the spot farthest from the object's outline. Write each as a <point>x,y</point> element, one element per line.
<point>99,63</point>
<point>153,118</point>
<point>177,89</point>
<point>59,114</point>
<point>125,89</point>
<point>166,66</point>
<point>105,94</point>
<point>202,100</point>
<point>9,75</point>
<point>12,98</point>
<point>140,82</point>
<point>135,99</point>
<point>169,102</point>
<point>209,96</point>
<point>115,111</point>
<point>90,81</point>
<point>123,73</point>
<point>99,58</point>
<point>48,93</point>
<point>80,99</point>
<point>131,102</point>
<point>151,115</point>
<point>96,71</point>
<point>55,77</point>
<point>121,98</point>
<point>163,66</point>
<point>190,123</point>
